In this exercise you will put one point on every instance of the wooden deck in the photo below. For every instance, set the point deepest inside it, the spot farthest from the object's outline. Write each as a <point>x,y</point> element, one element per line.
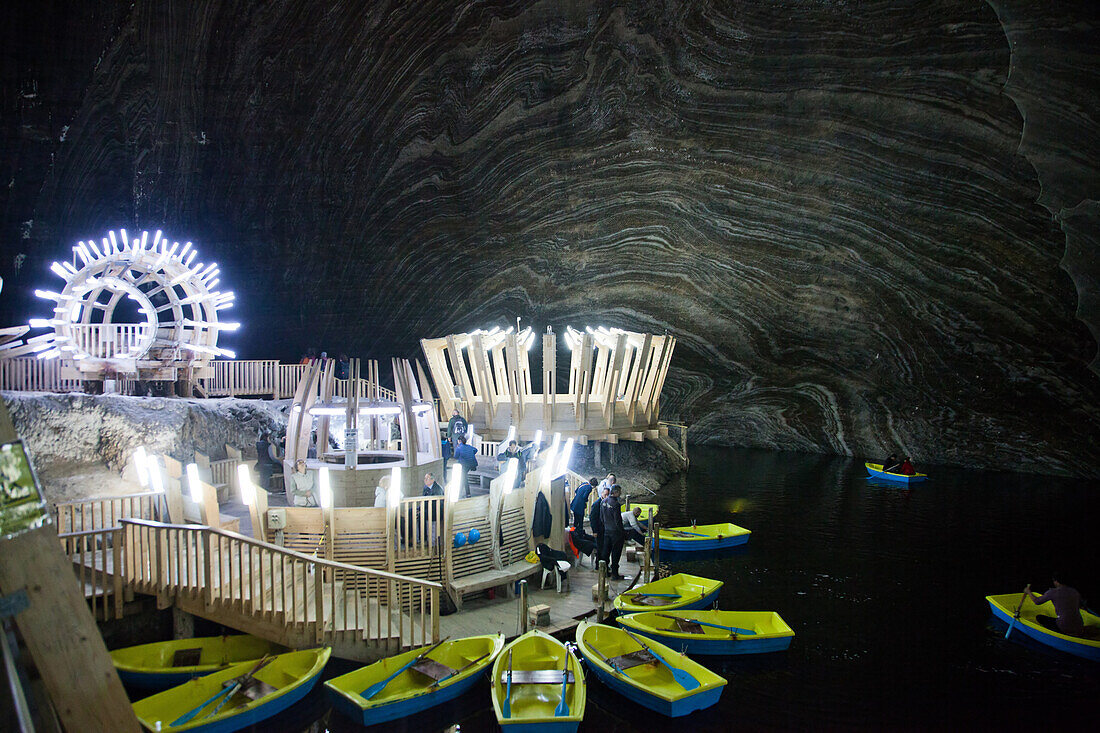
<point>480,615</point>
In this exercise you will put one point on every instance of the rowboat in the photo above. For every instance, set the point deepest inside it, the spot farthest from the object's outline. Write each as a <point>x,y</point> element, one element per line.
<point>165,664</point>
<point>281,682</point>
<point>1004,608</point>
<point>713,632</point>
<point>675,686</point>
<point>874,470</point>
<point>528,688</point>
<point>702,537</point>
<point>676,591</point>
<point>445,673</point>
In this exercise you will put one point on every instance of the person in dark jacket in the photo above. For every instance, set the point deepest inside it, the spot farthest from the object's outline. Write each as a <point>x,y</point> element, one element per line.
<point>456,426</point>
<point>580,502</point>
<point>513,451</point>
<point>431,486</point>
<point>595,521</point>
<point>611,517</point>
<point>466,455</point>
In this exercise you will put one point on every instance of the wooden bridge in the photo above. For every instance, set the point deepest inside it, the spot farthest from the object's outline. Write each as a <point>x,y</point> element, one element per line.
<point>119,549</point>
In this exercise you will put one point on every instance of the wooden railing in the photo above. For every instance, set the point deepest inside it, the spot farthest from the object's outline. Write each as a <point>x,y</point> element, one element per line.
<point>420,525</point>
<point>30,374</point>
<point>96,555</point>
<point>285,593</point>
<point>105,512</point>
<point>677,435</point>
<point>109,340</point>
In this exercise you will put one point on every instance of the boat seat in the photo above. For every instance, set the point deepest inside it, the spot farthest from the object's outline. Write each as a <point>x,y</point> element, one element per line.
<point>535,677</point>
<point>633,659</point>
<point>688,627</point>
<point>433,669</point>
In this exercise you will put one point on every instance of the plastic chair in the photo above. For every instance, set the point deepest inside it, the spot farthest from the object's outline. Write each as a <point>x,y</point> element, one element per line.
<point>553,563</point>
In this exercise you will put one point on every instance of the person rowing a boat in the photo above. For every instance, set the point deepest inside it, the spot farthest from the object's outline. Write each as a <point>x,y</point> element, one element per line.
<point>890,464</point>
<point>1067,606</point>
<point>906,467</point>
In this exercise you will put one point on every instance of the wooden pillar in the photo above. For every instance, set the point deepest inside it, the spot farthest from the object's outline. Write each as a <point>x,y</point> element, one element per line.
<point>58,629</point>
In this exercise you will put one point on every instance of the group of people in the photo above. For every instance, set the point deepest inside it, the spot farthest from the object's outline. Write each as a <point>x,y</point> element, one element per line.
<point>893,465</point>
<point>342,364</point>
<point>611,524</point>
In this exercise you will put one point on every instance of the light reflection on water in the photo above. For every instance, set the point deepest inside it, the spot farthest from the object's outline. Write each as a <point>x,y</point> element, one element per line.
<point>885,589</point>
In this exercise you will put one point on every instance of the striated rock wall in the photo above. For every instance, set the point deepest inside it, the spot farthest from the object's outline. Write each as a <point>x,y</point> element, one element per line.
<point>106,429</point>
<point>870,225</point>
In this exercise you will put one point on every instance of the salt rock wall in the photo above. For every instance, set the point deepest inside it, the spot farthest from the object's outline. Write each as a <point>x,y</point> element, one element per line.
<point>837,207</point>
<point>106,429</point>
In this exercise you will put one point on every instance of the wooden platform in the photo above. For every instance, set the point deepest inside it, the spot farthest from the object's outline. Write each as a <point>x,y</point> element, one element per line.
<point>480,615</point>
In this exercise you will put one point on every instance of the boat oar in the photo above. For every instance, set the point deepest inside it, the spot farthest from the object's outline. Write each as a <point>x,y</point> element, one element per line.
<point>563,707</point>
<point>506,708</point>
<point>651,595</point>
<point>377,687</point>
<point>731,629</point>
<point>682,676</point>
<point>1012,623</point>
<point>190,714</point>
<point>457,672</point>
<point>684,532</point>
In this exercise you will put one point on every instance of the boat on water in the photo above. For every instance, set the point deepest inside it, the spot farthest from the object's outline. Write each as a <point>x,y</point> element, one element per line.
<point>165,664</point>
<point>1004,608</point>
<point>415,680</point>
<point>647,672</point>
<point>874,470</point>
<point>712,632</point>
<point>538,686</point>
<point>236,697</point>
<point>674,592</point>
<point>702,537</point>
<point>646,508</point>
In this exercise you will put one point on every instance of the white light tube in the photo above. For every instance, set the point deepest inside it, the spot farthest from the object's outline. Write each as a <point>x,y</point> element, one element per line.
<point>394,496</point>
<point>139,458</point>
<point>156,480</point>
<point>563,462</point>
<point>324,488</point>
<point>193,483</point>
<point>248,489</point>
<point>455,484</point>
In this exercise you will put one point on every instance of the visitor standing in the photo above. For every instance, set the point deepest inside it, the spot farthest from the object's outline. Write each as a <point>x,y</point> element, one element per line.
<point>431,487</point>
<point>595,521</point>
<point>342,367</point>
<point>580,502</point>
<point>456,426</point>
<point>511,452</point>
<point>611,516</point>
<point>466,456</point>
<point>302,485</point>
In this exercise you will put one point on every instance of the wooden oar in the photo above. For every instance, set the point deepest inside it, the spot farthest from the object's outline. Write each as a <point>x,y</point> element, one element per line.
<point>651,595</point>
<point>1012,623</point>
<point>686,533</point>
<point>682,676</point>
<point>190,714</point>
<point>731,629</point>
<point>506,708</point>
<point>457,672</point>
<point>563,707</point>
<point>377,687</point>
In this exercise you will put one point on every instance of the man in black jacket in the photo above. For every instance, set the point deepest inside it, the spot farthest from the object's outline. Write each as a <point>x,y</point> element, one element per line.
<point>611,516</point>
<point>595,521</point>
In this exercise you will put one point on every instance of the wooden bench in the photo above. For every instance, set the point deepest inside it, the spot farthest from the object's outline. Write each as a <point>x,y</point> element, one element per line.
<point>491,579</point>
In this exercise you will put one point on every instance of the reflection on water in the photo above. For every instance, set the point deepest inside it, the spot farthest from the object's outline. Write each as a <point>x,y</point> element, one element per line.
<point>884,587</point>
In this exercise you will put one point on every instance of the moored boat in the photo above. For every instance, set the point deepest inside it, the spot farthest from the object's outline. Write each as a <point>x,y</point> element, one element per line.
<point>215,704</point>
<point>407,683</point>
<point>646,508</point>
<point>676,591</point>
<point>702,537</point>
<point>529,692</point>
<point>647,672</point>
<point>164,664</point>
<point>713,632</point>
<point>1004,607</point>
<point>874,470</point>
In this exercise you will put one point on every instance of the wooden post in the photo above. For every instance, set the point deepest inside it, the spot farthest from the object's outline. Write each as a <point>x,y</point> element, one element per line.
<point>211,516</point>
<point>656,548</point>
<point>58,629</point>
<point>601,591</point>
<point>522,607</point>
<point>648,575</point>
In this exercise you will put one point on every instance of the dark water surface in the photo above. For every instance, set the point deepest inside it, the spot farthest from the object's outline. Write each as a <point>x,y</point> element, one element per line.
<point>884,588</point>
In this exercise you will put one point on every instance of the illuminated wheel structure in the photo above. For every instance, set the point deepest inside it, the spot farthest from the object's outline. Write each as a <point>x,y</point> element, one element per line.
<point>140,307</point>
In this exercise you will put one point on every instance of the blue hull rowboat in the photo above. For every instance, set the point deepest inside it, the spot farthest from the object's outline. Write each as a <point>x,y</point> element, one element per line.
<point>164,664</point>
<point>679,591</point>
<point>1004,606</point>
<point>292,676</point>
<point>702,538</point>
<point>412,691</point>
<point>649,685</point>
<point>874,470</point>
<point>769,632</point>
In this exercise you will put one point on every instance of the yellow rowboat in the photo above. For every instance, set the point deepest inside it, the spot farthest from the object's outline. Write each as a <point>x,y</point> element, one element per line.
<point>713,632</point>
<point>1004,608</point>
<point>278,684</point>
<point>165,664</point>
<point>675,686</point>
<point>874,470</point>
<point>676,591</point>
<point>702,537</point>
<point>644,518</point>
<point>529,693</point>
<point>445,673</point>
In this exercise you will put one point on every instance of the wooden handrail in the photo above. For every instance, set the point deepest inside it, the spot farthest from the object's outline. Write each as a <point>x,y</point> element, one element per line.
<point>284,551</point>
<point>86,532</point>
<point>113,497</point>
